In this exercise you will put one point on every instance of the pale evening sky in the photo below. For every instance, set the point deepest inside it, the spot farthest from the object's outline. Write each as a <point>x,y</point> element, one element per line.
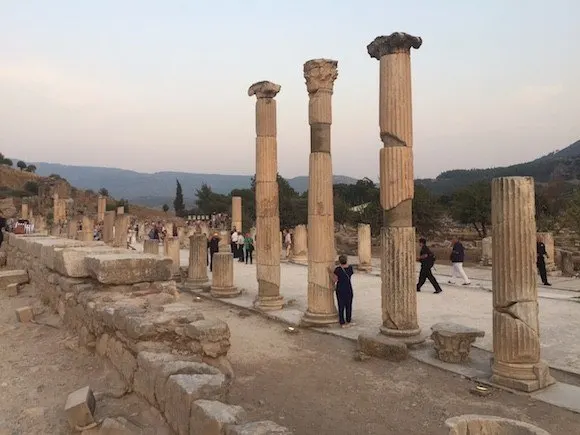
<point>154,85</point>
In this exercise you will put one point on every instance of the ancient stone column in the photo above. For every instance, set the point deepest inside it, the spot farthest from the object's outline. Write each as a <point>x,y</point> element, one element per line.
<point>267,203</point>
<point>320,75</point>
<point>548,240</point>
<point>169,229</point>
<point>197,271</point>
<point>72,229</point>
<point>172,251</point>
<point>101,208</point>
<point>109,223</point>
<point>225,239</point>
<point>300,243</point>
<point>237,213</point>
<point>364,247</point>
<point>121,230</point>
<point>399,296</point>
<point>55,209</point>
<point>121,210</point>
<point>516,329</point>
<point>151,246</point>
<point>222,277</point>
<point>24,211</point>
<point>486,251</point>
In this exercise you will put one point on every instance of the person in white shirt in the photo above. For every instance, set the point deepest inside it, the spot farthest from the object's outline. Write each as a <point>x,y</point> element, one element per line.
<point>234,242</point>
<point>288,242</point>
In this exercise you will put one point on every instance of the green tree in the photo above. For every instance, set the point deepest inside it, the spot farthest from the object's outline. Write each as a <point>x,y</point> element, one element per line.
<point>5,161</point>
<point>21,165</point>
<point>426,211</point>
<point>178,204</point>
<point>209,202</point>
<point>31,168</point>
<point>103,192</point>
<point>472,205</point>
<point>165,208</point>
<point>31,187</point>
<point>341,211</point>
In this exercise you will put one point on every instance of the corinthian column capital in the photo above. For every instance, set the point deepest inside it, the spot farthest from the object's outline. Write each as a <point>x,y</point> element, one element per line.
<point>264,89</point>
<point>320,74</point>
<point>397,42</point>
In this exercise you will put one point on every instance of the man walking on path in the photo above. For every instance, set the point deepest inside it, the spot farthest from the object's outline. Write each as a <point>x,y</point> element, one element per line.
<point>457,258</point>
<point>288,243</point>
<point>427,260</point>
<point>541,261</point>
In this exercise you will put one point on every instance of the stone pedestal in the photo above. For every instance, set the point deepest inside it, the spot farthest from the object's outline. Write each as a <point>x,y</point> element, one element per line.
<point>399,296</point>
<point>486,251</point>
<point>364,247</point>
<point>237,213</point>
<point>151,246</point>
<point>516,329</point>
<point>300,244</point>
<point>222,282</point>
<point>101,208</point>
<point>109,223</point>
<point>320,75</point>
<point>172,251</point>
<point>197,271</point>
<point>121,231</point>
<point>268,245</point>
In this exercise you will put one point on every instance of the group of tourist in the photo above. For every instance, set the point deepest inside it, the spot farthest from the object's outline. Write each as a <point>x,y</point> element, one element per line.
<point>242,247</point>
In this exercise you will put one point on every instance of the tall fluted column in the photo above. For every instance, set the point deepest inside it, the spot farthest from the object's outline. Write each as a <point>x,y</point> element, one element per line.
<point>516,329</point>
<point>399,298</point>
<point>197,271</point>
<point>101,208</point>
<point>300,244</point>
<point>108,225</point>
<point>364,247</point>
<point>121,230</point>
<point>237,213</point>
<point>267,203</point>
<point>172,251</point>
<point>24,211</point>
<point>320,75</point>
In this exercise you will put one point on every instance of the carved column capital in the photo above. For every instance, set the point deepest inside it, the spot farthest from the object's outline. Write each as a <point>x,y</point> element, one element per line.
<point>397,42</point>
<point>320,74</point>
<point>264,89</point>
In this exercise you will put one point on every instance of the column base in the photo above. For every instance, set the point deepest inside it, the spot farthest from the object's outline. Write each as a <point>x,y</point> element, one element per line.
<point>270,303</point>
<point>298,260</point>
<point>195,283</point>
<point>522,377</point>
<point>225,292</point>
<point>408,336</point>
<point>319,319</point>
<point>364,267</point>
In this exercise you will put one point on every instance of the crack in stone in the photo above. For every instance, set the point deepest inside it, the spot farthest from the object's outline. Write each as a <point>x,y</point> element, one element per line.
<point>506,310</point>
<point>391,140</point>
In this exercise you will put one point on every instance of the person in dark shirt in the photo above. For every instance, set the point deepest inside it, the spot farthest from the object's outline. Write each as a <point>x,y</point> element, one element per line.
<point>427,260</point>
<point>344,294</point>
<point>457,258</point>
<point>541,261</point>
<point>214,246</point>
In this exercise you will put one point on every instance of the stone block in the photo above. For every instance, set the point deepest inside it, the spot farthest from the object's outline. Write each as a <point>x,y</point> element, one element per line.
<point>210,417</point>
<point>212,330</point>
<point>258,428</point>
<point>80,407</point>
<point>129,268</point>
<point>452,341</point>
<point>12,290</point>
<point>383,347</point>
<point>8,277</point>
<point>24,314</point>
<point>122,360</point>
<point>183,390</point>
<point>488,424</point>
<point>148,366</point>
<point>71,261</point>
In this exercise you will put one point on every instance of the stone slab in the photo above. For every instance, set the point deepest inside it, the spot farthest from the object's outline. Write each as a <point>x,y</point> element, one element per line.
<point>24,314</point>
<point>383,347</point>
<point>129,268</point>
<point>8,277</point>
<point>210,417</point>
<point>450,329</point>
<point>80,407</point>
<point>71,261</point>
<point>561,395</point>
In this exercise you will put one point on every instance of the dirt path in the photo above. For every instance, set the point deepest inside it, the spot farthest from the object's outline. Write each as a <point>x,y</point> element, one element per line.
<point>310,383</point>
<point>307,381</point>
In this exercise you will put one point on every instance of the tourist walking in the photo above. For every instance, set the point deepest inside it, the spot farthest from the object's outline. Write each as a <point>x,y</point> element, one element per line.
<point>249,248</point>
<point>427,260</point>
<point>240,247</point>
<point>541,261</point>
<point>288,242</point>
<point>234,242</point>
<point>214,246</point>
<point>457,258</point>
<point>344,293</point>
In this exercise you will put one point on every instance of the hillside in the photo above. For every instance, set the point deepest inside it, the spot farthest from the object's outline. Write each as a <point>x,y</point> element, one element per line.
<point>563,165</point>
<point>158,188</point>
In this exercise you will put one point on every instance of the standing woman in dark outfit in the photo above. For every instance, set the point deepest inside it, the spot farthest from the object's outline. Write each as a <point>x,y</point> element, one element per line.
<point>2,226</point>
<point>344,293</point>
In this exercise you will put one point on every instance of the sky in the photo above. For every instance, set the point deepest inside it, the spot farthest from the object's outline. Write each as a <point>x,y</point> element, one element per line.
<point>153,85</point>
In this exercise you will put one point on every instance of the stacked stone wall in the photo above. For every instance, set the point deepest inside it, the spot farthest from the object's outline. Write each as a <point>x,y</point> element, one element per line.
<point>124,306</point>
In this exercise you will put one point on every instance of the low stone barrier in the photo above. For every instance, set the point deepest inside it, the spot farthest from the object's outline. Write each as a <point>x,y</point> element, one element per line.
<point>125,307</point>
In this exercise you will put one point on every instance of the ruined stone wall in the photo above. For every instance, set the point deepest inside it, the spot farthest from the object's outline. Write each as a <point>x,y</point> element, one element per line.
<point>123,306</point>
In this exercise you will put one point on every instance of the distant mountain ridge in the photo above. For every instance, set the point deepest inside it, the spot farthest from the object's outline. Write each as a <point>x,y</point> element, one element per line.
<point>158,188</point>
